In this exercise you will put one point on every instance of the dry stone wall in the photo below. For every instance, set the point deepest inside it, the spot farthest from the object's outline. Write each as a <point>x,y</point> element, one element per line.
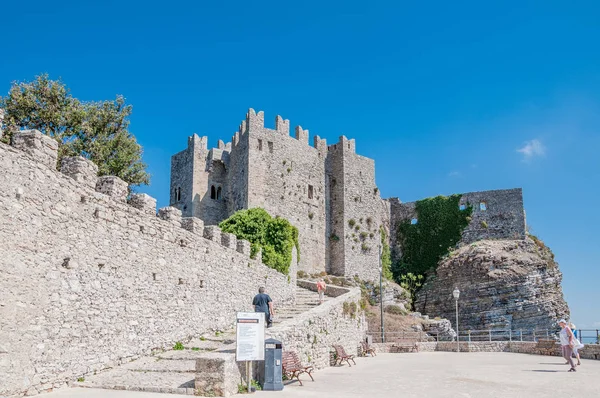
<point>336,321</point>
<point>88,281</point>
<point>497,214</point>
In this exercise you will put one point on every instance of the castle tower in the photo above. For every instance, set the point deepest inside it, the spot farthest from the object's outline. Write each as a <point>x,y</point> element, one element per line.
<point>356,212</point>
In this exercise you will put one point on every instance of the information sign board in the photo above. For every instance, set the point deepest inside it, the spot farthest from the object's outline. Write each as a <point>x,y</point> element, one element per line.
<point>250,333</point>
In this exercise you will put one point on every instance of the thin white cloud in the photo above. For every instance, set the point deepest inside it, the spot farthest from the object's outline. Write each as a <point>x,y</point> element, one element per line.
<point>455,174</point>
<point>532,149</point>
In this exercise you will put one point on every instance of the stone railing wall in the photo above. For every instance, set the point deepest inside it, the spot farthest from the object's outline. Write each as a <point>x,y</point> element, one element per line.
<point>331,291</point>
<point>312,334</point>
<point>88,281</point>
<point>590,351</point>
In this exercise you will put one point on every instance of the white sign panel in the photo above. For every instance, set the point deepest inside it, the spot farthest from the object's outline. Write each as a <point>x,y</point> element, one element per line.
<point>250,332</point>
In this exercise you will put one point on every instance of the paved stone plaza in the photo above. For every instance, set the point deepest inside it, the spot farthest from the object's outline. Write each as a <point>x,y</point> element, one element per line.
<point>429,374</point>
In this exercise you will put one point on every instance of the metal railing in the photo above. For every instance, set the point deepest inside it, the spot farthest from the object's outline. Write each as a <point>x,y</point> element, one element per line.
<point>589,336</point>
<point>489,335</point>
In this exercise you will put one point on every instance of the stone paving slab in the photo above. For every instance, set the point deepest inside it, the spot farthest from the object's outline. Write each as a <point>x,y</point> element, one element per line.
<point>428,375</point>
<point>133,380</point>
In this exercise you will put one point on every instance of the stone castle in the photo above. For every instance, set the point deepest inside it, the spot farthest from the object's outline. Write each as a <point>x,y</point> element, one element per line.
<point>91,277</point>
<point>327,191</point>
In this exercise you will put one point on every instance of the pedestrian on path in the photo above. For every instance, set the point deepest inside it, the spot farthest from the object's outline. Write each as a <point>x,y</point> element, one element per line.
<point>567,342</point>
<point>262,303</point>
<point>578,344</point>
<point>321,287</point>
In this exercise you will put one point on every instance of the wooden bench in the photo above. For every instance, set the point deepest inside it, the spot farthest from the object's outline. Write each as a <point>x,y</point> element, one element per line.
<point>408,344</point>
<point>367,349</point>
<point>342,356</point>
<point>292,367</point>
<point>546,347</point>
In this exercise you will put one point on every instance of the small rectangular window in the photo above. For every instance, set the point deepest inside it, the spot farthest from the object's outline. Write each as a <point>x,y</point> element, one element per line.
<point>310,191</point>
<point>270,146</point>
<point>482,206</point>
<point>260,145</point>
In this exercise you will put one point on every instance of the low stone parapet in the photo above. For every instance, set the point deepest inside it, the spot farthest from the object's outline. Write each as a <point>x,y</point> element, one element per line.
<point>229,240</point>
<point>590,351</point>
<point>143,202</point>
<point>114,187</point>
<point>171,214</point>
<point>212,232</point>
<point>331,291</point>
<point>244,247</point>
<point>42,148</point>
<point>217,375</point>
<point>193,224</point>
<point>80,169</point>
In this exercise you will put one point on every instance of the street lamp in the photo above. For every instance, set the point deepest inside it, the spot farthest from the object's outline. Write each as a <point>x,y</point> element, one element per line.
<point>456,294</point>
<point>381,295</point>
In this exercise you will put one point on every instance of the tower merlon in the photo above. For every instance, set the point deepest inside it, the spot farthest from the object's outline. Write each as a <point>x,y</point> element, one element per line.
<point>301,135</point>
<point>255,121</point>
<point>282,126</point>
<point>320,144</point>
<point>195,141</point>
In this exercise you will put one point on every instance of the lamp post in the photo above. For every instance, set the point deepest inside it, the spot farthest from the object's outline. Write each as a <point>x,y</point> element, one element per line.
<point>456,294</point>
<point>381,295</point>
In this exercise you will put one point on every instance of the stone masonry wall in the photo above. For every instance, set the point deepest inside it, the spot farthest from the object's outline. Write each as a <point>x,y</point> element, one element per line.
<point>286,177</point>
<point>357,212</point>
<point>312,334</point>
<point>87,282</point>
<point>497,214</point>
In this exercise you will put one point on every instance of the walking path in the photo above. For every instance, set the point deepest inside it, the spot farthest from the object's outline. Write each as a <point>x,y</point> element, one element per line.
<point>173,371</point>
<point>428,374</point>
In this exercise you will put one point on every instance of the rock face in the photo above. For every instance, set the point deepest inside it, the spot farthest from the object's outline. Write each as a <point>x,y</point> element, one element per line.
<point>504,284</point>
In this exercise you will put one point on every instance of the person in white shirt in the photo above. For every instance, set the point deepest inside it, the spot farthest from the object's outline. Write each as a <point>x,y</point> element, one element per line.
<point>567,342</point>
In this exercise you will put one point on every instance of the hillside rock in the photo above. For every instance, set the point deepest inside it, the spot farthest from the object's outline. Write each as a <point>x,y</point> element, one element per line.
<point>503,284</point>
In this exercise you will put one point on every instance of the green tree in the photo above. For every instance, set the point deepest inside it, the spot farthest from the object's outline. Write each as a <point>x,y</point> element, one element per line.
<point>275,236</point>
<point>95,130</point>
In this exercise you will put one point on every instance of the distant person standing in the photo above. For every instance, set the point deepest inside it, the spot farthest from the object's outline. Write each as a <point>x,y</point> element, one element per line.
<point>567,342</point>
<point>263,303</point>
<point>321,287</point>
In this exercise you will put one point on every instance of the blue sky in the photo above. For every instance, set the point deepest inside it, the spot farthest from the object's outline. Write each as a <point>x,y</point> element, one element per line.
<point>445,96</point>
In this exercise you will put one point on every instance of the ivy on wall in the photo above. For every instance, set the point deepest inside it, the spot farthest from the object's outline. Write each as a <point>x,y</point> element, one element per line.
<point>438,227</point>
<point>274,235</point>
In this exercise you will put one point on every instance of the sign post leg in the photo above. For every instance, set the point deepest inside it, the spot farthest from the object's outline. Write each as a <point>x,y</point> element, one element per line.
<point>249,369</point>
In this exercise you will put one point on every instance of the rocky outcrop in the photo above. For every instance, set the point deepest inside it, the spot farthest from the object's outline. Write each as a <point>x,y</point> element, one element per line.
<point>503,284</point>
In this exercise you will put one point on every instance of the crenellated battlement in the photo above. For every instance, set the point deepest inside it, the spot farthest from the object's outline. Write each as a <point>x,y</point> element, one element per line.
<point>196,142</point>
<point>301,135</point>
<point>282,126</point>
<point>344,144</point>
<point>83,173</point>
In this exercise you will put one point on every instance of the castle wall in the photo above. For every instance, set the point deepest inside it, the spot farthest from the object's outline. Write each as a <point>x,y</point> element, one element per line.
<point>88,282</point>
<point>286,177</point>
<point>497,214</point>
<point>189,180</point>
<point>357,213</point>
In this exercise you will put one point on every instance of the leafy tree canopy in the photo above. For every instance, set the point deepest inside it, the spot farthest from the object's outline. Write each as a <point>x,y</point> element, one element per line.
<point>98,131</point>
<point>275,236</point>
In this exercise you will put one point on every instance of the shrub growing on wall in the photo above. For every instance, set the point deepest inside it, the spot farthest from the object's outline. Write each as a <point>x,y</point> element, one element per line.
<point>275,236</point>
<point>439,226</point>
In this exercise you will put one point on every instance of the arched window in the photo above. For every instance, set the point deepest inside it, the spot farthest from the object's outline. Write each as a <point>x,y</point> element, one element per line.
<point>213,192</point>
<point>219,193</point>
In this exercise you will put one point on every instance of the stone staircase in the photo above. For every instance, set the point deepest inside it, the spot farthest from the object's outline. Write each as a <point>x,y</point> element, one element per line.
<point>173,371</point>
